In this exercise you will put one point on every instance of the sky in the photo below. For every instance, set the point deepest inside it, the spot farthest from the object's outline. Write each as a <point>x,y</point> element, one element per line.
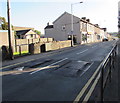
<point>37,13</point>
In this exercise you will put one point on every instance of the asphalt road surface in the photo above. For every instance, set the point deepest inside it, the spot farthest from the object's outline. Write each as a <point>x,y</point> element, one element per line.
<point>62,76</point>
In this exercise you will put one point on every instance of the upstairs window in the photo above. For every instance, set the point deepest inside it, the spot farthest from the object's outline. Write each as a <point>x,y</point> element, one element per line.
<point>63,27</point>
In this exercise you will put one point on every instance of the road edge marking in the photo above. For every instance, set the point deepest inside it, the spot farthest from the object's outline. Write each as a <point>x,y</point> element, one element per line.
<point>92,88</point>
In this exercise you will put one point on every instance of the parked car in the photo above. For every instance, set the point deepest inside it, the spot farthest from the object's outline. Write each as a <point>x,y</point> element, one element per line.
<point>105,39</point>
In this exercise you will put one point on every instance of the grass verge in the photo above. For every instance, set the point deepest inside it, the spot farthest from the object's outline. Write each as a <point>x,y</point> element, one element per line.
<point>22,53</point>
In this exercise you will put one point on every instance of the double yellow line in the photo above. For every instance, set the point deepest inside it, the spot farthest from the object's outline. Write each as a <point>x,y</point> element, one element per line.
<point>77,99</point>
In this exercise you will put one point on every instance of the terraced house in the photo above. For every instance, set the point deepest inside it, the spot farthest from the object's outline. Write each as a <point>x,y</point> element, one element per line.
<point>84,31</point>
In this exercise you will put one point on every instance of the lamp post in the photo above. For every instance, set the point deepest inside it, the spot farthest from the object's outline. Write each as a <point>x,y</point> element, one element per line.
<point>72,21</point>
<point>9,31</point>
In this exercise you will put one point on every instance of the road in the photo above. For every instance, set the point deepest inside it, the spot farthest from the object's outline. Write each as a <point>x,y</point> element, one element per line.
<point>62,76</point>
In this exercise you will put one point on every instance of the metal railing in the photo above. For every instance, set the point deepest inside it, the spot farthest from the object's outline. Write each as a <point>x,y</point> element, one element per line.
<point>106,68</point>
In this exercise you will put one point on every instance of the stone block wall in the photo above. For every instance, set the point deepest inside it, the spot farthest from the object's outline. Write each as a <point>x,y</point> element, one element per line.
<point>57,45</point>
<point>39,47</point>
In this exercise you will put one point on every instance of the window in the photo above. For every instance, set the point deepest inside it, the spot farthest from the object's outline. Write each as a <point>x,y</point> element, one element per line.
<point>98,37</point>
<point>63,27</point>
<point>31,35</point>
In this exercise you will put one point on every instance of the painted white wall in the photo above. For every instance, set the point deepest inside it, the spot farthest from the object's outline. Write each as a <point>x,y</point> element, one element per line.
<point>102,34</point>
<point>90,30</point>
<point>4,38</point>
<point>28,35</point>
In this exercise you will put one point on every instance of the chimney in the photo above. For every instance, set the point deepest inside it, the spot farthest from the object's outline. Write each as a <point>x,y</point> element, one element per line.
<point>88,20</point>
<point>48,24</point>
<point>97,25</point>
<point>105,29</point>
<point>84,18</point>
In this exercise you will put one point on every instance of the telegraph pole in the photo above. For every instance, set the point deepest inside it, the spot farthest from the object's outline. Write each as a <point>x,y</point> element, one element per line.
<point>9,31</point>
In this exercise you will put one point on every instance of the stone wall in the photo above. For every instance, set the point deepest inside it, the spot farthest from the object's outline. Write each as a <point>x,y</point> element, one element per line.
<point>19,44</point>
<point>38,47</point>
<point>57,45</point>
<point>24,43</point>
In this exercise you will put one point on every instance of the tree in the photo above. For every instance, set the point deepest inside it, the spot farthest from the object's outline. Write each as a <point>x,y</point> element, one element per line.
<point>4,24</point>
<point>38,32</point>
<point>3,19</point>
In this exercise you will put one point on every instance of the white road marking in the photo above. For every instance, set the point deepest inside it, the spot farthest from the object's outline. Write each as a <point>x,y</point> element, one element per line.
<point>82,51</point>
<point>86,69</point>
<point>49,66</point>
<point>94,46</point>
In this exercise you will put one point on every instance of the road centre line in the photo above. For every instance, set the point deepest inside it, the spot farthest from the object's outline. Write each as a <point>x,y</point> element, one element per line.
<point>49,65</point>
<point>86,86</point>
<point>82,51</point>
<point>94,46</point>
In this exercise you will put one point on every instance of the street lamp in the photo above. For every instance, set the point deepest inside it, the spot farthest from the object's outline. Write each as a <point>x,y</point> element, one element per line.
<point>72,20</point>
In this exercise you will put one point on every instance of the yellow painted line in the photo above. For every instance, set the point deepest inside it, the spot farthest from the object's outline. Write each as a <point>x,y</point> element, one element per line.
<point>91,89</point>
<point>86,86</point>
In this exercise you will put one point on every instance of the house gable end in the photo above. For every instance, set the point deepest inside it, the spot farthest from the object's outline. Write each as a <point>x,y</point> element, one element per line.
<point>67,17</point>
<point>30,32</point>
<point>59,17</point>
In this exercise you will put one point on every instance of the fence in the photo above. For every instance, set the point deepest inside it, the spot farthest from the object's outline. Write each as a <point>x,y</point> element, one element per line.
<point>100,78</point>
<point>109,62</point>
